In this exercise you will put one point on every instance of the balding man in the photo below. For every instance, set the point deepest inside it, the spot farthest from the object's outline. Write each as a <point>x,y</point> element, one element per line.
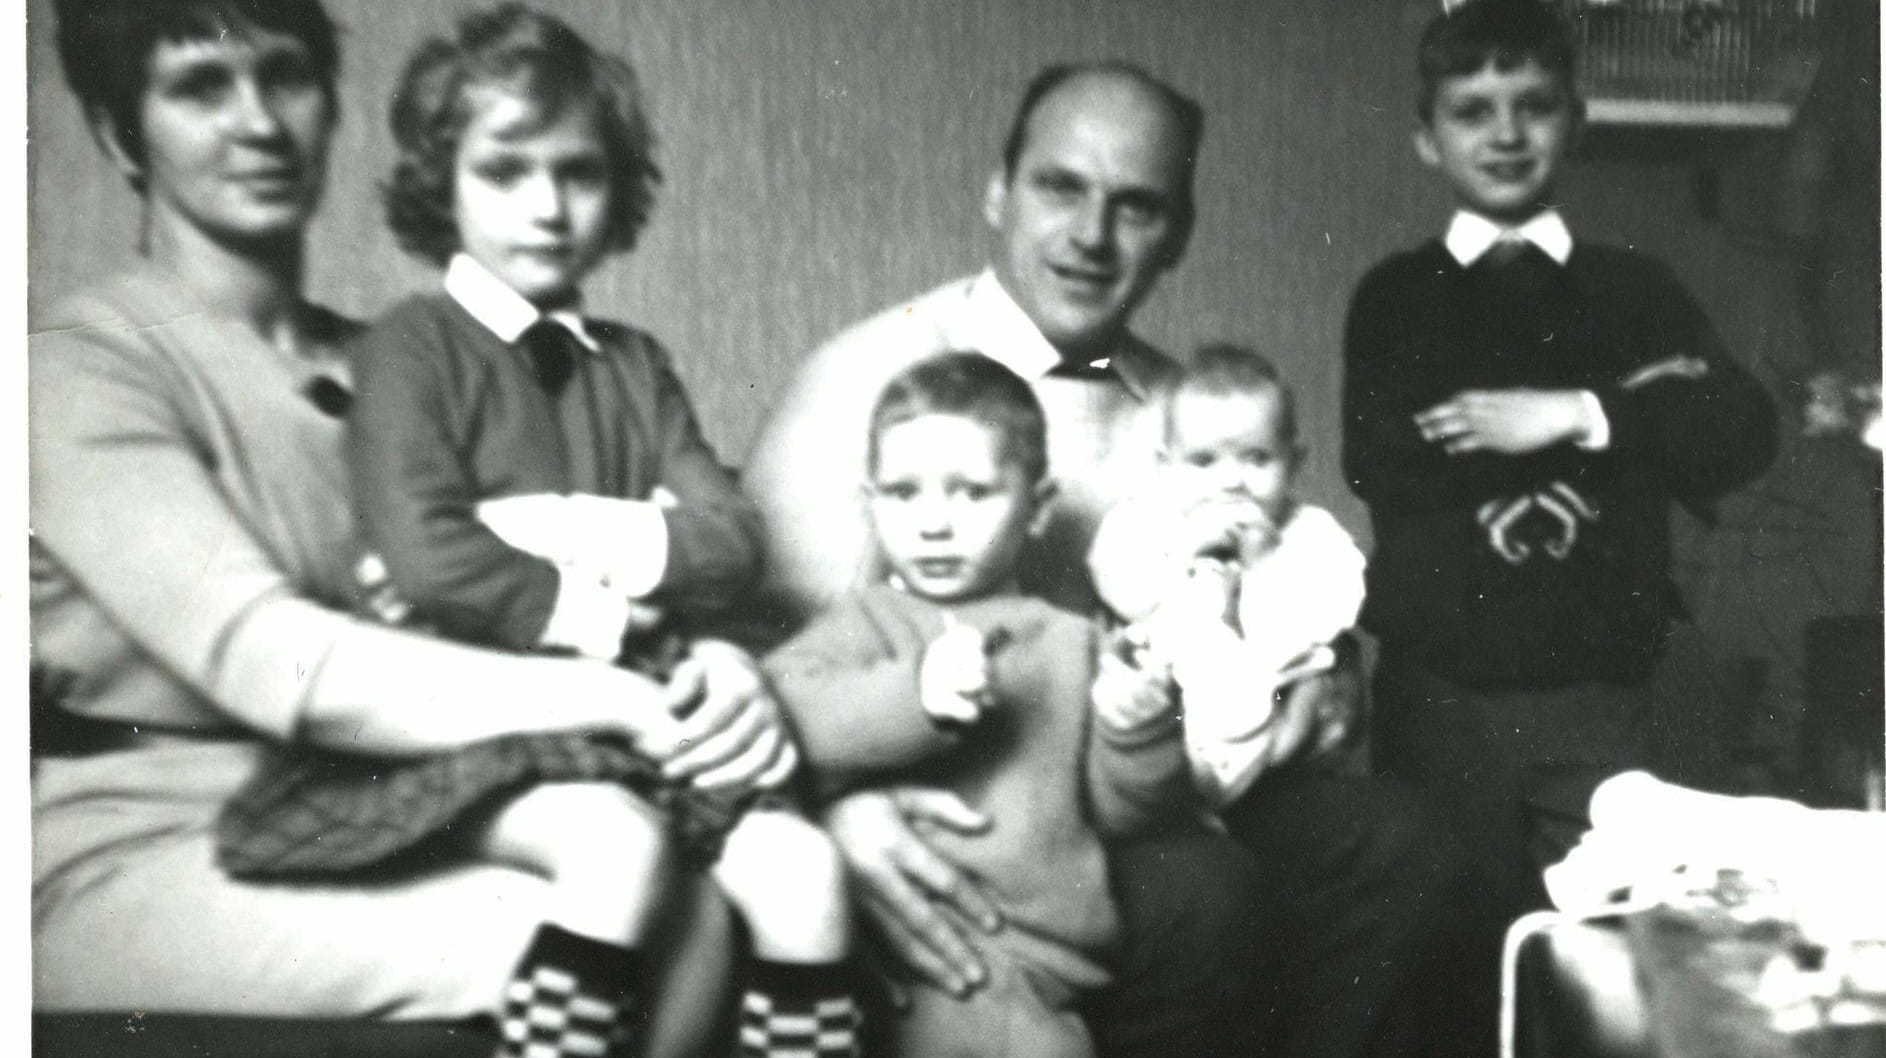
<point>1091,205</point>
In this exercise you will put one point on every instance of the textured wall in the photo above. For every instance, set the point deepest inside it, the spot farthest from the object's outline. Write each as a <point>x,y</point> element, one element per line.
<point>824,158</point>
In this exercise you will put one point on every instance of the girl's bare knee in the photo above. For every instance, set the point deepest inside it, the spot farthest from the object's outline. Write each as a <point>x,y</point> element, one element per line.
<point>788,881</point>
<point>605,851</point>
<point>591,829</point>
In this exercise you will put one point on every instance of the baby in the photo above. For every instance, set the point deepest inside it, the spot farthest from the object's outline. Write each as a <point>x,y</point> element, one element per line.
<point>1220,571</point>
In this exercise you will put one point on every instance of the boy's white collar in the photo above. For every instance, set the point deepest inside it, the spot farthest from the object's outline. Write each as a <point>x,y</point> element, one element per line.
<point>1470,236</point>
<point>504,311</point>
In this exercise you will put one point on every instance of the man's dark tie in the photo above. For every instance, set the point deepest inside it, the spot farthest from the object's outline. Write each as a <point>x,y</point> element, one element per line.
<point>1080,369</point>
<point>553,351</point>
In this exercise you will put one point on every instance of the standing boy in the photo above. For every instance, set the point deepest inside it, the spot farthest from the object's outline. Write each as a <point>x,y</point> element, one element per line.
<point>1520,413</point>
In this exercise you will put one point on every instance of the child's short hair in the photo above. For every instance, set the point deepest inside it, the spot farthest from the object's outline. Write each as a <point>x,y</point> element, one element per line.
<point>1507,33</point>
<point>1224,370</point>
<point>974,387</point>
<point>105,47</point>
<point>543,61</point>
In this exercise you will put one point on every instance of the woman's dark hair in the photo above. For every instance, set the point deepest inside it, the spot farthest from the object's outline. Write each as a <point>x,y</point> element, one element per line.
<point>106,45</point>
<point>542,61</point>
<point>974,387</point>
<point>1506,33</point>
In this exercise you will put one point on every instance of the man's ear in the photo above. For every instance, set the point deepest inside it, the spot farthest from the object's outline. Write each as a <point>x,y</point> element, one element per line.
<point>110,139</point>
<point>1045,492</point>
<point>1425,148</point>
<point>995,197</point>
<point>1179,240</point>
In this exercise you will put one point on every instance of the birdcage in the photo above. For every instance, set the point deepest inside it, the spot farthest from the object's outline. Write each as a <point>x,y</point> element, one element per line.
<point>1697,62</point>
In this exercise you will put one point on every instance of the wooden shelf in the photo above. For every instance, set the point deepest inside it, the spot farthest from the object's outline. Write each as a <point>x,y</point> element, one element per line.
<point>1652,112</point>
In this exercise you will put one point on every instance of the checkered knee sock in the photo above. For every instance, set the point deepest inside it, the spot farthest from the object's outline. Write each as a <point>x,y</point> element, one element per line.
<point>799,1011</point>
<point>573,997</point>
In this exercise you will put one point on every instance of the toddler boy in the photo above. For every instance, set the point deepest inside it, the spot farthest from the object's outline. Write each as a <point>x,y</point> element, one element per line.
<point>946,675</point>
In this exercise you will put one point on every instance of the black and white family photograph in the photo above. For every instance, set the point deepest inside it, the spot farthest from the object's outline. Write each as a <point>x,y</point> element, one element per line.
<point>901,529</point>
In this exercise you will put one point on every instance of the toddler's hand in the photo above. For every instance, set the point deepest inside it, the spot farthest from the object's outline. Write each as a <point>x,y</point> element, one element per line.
<point>644,713</point>
<point>1133,685</point>
<point>730,732</point>
<point>953,682</point>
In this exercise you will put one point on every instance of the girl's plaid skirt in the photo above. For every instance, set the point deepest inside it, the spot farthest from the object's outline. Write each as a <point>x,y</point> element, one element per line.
<point>310,813</point>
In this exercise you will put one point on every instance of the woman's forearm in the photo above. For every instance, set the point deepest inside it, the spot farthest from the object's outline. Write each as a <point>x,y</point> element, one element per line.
<point>396,693</point>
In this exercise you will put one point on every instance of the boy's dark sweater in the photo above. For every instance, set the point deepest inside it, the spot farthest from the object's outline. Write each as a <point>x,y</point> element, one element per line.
<point>1690,428</point>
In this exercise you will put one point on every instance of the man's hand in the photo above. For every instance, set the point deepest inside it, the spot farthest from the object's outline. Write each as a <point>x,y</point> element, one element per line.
<point>1327,705</point>
<point>1317,714</point>
<point>643,616</point>
<point>953,680</point>
<point>730,732</point>
<point>902,881</point>
<point>1506,421</point>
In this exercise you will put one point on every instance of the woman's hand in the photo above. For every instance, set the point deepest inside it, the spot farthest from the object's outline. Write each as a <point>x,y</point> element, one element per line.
<point>902,881</point>
<point>730,732</point>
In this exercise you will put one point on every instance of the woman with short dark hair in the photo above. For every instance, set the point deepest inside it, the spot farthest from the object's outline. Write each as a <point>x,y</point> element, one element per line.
<point>193,587</point>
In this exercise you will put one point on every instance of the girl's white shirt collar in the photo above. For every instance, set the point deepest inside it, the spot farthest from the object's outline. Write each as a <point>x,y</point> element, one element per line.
<point>503,311</point>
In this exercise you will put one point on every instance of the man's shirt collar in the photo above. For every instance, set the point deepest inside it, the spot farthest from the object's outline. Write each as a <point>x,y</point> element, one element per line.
<point>996,326</point>
<point>1470,235</point>
<point>503,311</point>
